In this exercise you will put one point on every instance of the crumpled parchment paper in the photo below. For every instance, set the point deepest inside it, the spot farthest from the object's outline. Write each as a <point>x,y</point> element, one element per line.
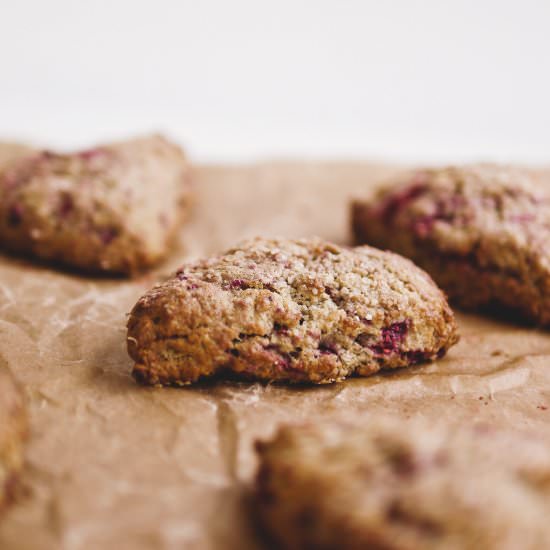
<point>112,465</point>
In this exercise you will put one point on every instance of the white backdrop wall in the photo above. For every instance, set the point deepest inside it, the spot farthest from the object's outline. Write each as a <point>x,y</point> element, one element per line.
<point>239,80</point>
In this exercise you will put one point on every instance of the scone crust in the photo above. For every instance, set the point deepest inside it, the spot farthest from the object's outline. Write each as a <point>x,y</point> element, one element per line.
<point>481,231</point>
<point>114,209</point>
<point>404,486</point>
<point>289,310</point>
<point>13,431</point>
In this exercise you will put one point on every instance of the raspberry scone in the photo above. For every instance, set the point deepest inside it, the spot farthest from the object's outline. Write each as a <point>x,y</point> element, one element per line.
<point>482,232</point>
<point>111,209</point>
<point>13,429</point>
<point>389,485</point>
<point>289,310</point>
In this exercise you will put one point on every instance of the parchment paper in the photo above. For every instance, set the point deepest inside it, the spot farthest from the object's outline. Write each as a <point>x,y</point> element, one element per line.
<point>112,465</point>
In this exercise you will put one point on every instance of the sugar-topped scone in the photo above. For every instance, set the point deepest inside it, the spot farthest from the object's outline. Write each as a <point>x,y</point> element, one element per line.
<point>289,310</point>
<point>13,430</point>
<point>482,232</point>
<point>112,209</point>
<point>402,485</point>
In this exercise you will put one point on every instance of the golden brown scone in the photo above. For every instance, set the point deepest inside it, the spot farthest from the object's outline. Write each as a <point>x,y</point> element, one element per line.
<point>482,232</point>
<point>289,310</point>
<point>394,485</point>
<point>113,209</point>
<point>13,430</point>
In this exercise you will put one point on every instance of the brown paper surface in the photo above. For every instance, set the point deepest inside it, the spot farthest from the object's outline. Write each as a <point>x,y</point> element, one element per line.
<point>112,465</point>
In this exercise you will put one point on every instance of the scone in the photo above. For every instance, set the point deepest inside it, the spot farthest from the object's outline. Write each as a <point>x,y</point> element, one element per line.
<point>482,232</point>
<point>13,429</point>
<point>289,310</point>
<point>387,484</point>
<point>113,209</point>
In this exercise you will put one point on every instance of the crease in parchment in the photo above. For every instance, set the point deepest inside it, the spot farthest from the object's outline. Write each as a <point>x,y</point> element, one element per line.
<point>228,435</point>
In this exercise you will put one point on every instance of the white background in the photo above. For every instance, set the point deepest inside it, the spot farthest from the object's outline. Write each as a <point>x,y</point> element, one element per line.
<point>243,79</point>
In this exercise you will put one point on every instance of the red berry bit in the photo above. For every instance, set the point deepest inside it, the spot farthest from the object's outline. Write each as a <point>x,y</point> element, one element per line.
<point>190,285</point>
<point>450,209</point>
<point>392,338</point>
<point>282,359</point>
<point>328,348</point>
<point>522,218</point>
<point>423,226</point>
<point>400,200</point>
<point>282,329</point>
<point>66,206</point>
<point>107,234</point>
<point>238,284</point>
<point>15,215</point>
<point>91,154</point>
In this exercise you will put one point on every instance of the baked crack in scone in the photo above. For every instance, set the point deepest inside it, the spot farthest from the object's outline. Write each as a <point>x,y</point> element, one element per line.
<point>482,232</point>
<point>112,209</point>
<point>13,430</point>
<point>390,485</point>
<point>289,310</point>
